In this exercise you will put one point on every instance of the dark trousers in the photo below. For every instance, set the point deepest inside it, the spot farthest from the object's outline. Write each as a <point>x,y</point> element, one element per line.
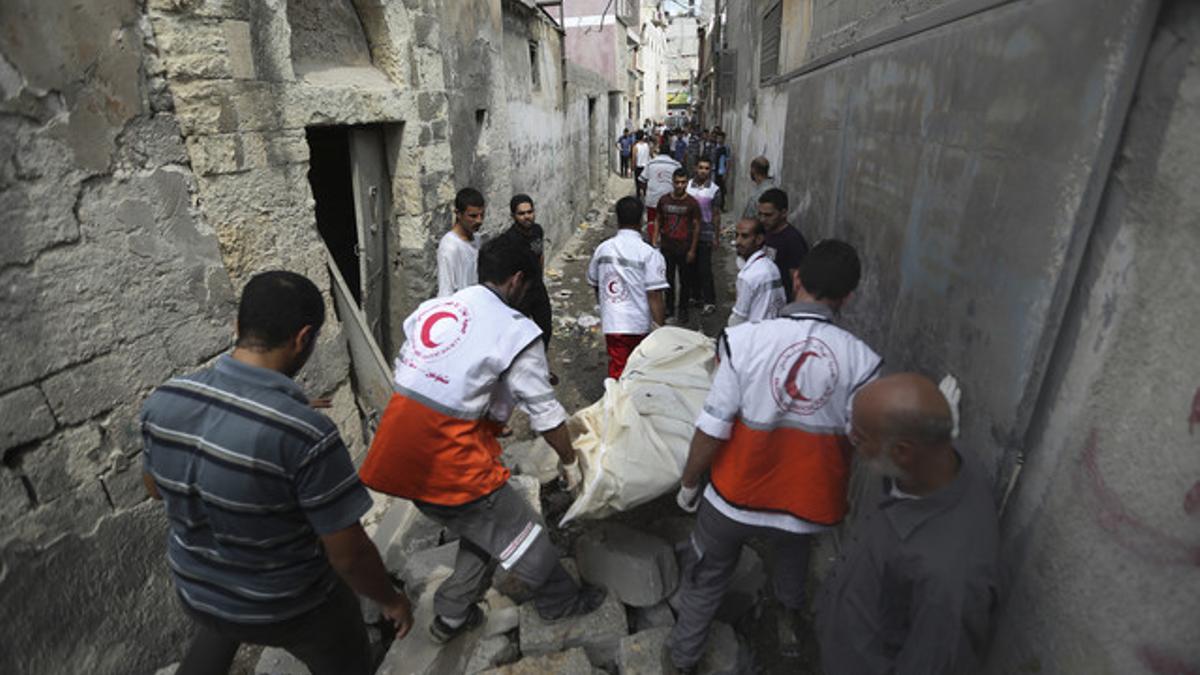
<point>330,639</point>
<point>638,188</point>
<point>490,528</point>
<point>536,306</point>
<point>624,166</point>
<point>708,566</point>
<point>702,275</point>
<point>677,263</point>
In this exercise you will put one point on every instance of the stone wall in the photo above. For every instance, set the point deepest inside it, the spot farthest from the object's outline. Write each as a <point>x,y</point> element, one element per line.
<point>112,279</point>
<point>1025,229</point>
<point>152,158</point>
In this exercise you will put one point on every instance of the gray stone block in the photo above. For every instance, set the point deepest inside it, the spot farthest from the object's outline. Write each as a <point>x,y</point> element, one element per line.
<point>26,417</point>
<point>643,653</point>
<point>655,616</point>
<point>64,462</point>
<point>491,652</point>
<point>639,568</point>
<point>420,568</point>
<point>570,662</point>
<point>598,633</point>
<point>14,500</point>
<point>276,661</point>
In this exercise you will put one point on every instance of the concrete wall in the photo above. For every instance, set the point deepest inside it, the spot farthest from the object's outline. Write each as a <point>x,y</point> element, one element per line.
<point>653,61</point>
<point>152,158</point>
<point>967,149</point>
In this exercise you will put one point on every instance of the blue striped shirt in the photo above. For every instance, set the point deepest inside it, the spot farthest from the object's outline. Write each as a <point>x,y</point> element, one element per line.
<point>250,475</point>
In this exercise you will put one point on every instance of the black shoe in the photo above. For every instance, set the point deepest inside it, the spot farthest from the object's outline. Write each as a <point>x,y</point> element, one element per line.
<point>589,598</point>
<point>442,633</point>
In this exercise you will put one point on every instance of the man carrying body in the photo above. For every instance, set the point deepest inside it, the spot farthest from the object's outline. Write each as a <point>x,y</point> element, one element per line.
<point>772,430</point>
<point>916,585</point>
<point>526,231</point>
<point>678,236</point>
<point>265,543</point>
<point>710,198</point>
<point>458,251</point>
<point>629,277</point>
<point>658,179</point>
<point>760,175</point>
<point>783,243</point>
<point>464,362</point>
<point>641,157</point>
<point>759,288</point>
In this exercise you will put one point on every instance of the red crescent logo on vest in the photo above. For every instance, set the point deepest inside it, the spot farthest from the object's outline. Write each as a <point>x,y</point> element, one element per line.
<point>427,328</point>
<point>790,383</point>
<point>804,376</point>
<point>439,329</point>
<point>615,289</point>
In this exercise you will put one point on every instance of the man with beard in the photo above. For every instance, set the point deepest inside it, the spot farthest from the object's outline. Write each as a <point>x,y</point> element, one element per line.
<point>261,498</point>
<point>759,288</point>
<point>915,588</point>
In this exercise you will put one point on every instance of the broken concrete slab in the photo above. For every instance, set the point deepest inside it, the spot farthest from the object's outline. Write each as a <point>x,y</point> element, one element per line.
<point>639,568</point>
<point>598,633</point>
<point>570,662</point>
<point>643,653</point>
<point>530,490</point>
<point>417,652</point>
<point>531,458</point>
<point>419,568</point>
<point>490,652</point>
<point>655,616</point>
<point>276,661</point>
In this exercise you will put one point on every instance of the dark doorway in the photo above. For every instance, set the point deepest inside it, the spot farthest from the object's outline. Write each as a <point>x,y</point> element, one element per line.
<point>333,190</point>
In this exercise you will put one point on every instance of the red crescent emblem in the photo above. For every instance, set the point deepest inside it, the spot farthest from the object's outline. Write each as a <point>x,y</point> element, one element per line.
<point>790,387</point>
<point>611,286</point>
<point>432,321</point>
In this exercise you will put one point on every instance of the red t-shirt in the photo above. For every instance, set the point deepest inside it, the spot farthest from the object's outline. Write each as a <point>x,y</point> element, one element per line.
<point>681,220</point>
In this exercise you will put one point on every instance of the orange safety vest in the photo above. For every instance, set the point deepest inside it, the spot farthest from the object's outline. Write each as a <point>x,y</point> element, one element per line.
<point>436,442</point>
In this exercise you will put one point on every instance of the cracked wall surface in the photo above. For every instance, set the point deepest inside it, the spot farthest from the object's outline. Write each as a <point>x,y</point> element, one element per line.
<point>153,157</point>
<point>1013,175</point>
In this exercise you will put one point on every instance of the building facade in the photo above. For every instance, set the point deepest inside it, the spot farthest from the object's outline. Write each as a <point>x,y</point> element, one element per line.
<point>155,155</point>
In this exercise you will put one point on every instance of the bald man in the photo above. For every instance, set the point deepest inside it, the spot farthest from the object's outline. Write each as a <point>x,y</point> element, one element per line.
<point>915,589</point>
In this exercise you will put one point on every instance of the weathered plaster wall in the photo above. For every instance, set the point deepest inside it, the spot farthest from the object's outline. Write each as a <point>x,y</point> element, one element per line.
<point>972,163</point>
<point>111,279</point>
<point>1103,531</point>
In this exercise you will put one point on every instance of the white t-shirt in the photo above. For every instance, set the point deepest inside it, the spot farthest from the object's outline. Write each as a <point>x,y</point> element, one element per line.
<point>623,269</point>
<point>458,263</point>
<point>641,154</point>
<point>657,176</point>
<point>759,291</point>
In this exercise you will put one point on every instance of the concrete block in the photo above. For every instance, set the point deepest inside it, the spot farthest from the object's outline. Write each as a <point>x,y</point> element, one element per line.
<point>241,55</point>
<point>570,662</point>
<point>193,49</point>
<point>150,142</point>
<point>530,490</point>
<point>639,568</point>
<point>655,616</point>
<point>643,653</point>
<point>420,568</point>
<point>276,661</point>
<point>491,652</point>
<point>14,500</point>
<point>531,458</point>
<point>42,214</point>
<point>26,417</point>
<point>430,106</point>
<point>123,484</point>
<point>97,386</point>
<point>64,462</point>
<point>598,633</point>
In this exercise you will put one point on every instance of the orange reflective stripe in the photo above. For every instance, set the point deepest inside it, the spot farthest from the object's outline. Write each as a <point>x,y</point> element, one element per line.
<point>784,470</point>
<point>419,453</point>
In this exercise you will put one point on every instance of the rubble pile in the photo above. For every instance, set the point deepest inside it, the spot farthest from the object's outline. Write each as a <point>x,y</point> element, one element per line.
<point>638,564</point>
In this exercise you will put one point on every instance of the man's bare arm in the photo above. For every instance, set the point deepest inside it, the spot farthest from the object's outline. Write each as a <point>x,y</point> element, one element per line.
<point>658,307</point>
<point>700,456</point>
<point>151,486</point>
<point>356,560</point>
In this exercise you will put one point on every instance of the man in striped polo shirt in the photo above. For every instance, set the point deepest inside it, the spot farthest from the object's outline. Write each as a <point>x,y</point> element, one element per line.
<point>263,501</point>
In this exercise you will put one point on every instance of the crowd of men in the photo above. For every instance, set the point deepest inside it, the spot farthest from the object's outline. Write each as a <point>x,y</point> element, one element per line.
<point>264,503</point>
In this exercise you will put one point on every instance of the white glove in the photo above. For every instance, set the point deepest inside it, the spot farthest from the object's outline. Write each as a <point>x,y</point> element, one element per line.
<point>688,498</point>
<point>950,389</point>
<point>571,474</point>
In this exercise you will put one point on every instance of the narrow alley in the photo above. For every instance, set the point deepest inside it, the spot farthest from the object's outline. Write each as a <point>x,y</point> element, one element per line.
<point>376,336</point>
